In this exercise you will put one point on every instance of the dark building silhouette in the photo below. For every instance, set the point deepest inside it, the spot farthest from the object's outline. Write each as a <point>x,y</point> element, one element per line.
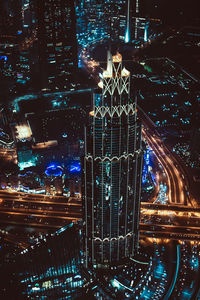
<point>50,268</point>
<point>10,17</point>
<point>57,43</point>
<point>195,145</point>
<point>112,169</point>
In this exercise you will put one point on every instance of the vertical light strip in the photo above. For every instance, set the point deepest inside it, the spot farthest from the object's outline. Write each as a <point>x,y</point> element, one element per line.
<point>92,163</point>
<point>86,216</point>
<point>111,174</point>
<point>111,152</point>
<point>85,135</point>
<point>127,33</point>
<point>94,135</point>
<point>134,200</point>
<point>102,180</point>
<point>93,184</point>
<point>135,125</point>
<point>137,6</point>
<point>127,185</point>
<point>120,170</point>
<point>136,18</point>
<point>139,199</point>
<point>102,207</point>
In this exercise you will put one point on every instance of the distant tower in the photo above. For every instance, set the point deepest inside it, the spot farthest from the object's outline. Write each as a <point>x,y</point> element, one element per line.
<point>133,20</point>
<point>57,42</point>
<point>112,170</point>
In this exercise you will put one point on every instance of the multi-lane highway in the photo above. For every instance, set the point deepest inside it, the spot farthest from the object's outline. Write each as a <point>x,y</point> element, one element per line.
<point>177,220</point>
<point>13,239</point>
<point>175,179</point>
<point>41,211</point>
<point>44,212</point>
<point>168,207</point>
<point>170,224</point>
<point>170,233</point>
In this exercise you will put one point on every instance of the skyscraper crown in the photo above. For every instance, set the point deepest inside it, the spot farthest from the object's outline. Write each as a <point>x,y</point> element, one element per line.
<point>115,78</point>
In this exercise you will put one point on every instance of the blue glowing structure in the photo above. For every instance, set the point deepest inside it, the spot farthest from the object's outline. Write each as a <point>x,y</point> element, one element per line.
<point>4,57</point>
<point>75,168</point>
<point>127,33</point>
<point>54,170</point>
<point>24,175</point>
<point>146,32</point>
<point>127,36</point>
<point>146,166</point>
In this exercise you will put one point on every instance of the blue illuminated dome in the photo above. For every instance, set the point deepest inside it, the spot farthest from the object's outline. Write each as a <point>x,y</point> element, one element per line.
<point>75,167</point>
<point>4,57</point>
<point>54,170</point>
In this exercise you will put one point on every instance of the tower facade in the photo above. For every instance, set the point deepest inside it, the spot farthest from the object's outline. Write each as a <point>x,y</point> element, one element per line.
<point>112,170</point>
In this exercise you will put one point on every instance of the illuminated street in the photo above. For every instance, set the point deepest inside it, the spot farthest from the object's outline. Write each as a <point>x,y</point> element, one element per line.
<point>175,180</point>
<point>47,212</point>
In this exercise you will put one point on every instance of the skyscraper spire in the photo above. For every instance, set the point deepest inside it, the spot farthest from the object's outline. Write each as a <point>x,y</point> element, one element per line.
<point>109,61</point>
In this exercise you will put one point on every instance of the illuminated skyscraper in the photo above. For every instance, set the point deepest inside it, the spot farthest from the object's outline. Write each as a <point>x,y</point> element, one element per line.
<point>112,170</point>
<point>56,42</point>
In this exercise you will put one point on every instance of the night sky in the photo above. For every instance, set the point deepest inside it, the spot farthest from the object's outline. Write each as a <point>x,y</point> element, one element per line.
<point>172,12</point>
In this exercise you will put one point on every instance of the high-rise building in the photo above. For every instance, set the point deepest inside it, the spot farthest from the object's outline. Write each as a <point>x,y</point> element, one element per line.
<point>112,170</point>
<point>57,43</point>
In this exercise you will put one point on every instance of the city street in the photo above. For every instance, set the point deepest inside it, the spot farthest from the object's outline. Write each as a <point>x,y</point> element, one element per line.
<point>175,180</point>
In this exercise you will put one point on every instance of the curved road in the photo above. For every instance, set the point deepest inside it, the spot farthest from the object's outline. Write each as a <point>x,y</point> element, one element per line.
<point>175,178</point>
